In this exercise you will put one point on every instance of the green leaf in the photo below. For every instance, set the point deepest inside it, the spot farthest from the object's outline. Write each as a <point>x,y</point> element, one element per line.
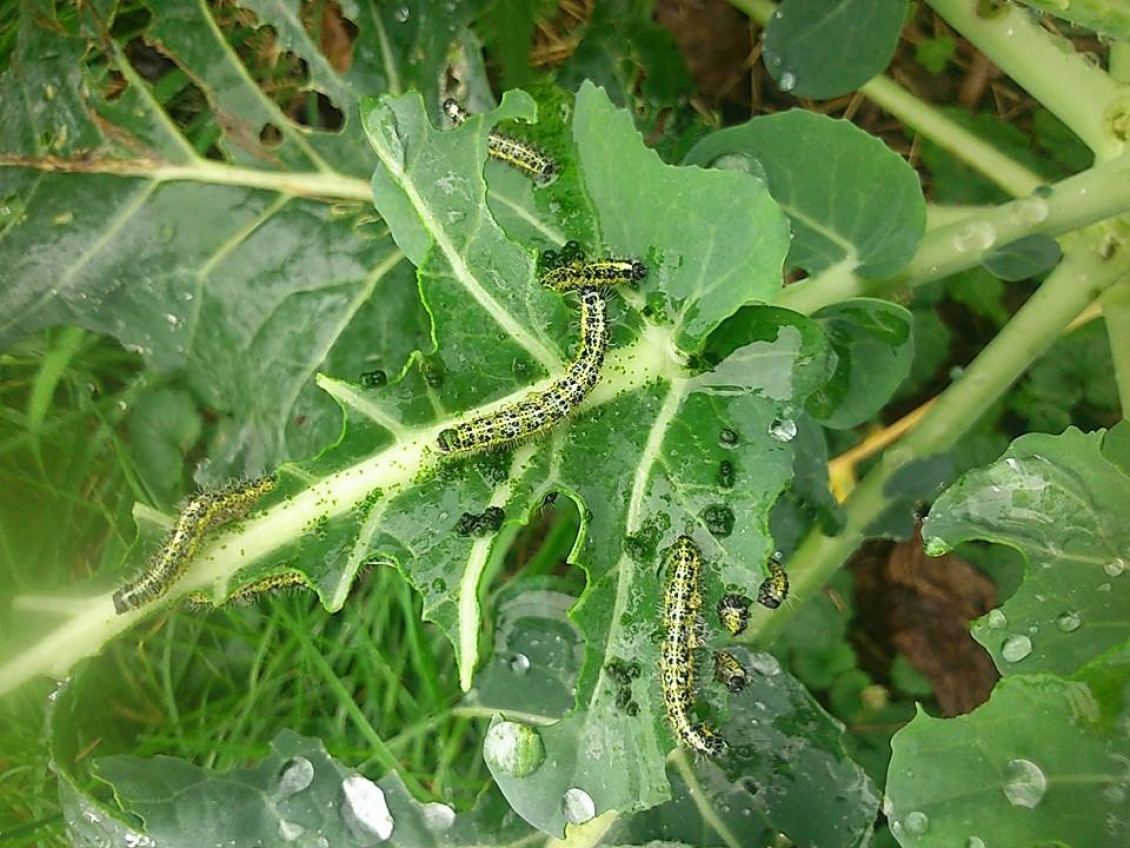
<point>874,351</point>
<point>787,772</point>
<point>1033,766</point>
<point>824,173</point>
<point>1073,602</point>
<point>295,795</point>
<point>822,50</point>
<point>114,228</point>
<point>1023,258</point>
<point>706,264</point>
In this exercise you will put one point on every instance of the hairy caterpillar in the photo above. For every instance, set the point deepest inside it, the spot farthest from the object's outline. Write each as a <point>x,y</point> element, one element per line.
<point>729,672</point>
<point>203,513</point>
<point>517,154</point>
<point>541,410</point>
<point>247,593</point>
<point>775,588</point>
<point>733,613</point>
<point>682,599</point>
<point>597,273</point>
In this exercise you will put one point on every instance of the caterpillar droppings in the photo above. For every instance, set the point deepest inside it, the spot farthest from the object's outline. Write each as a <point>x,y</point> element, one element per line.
<point>729,672</point>
<point>517,154</point>
<point>202,514</point>
<point>682,599</point>
<point>733,613</point>
<point>775,588</point>
<point>539,411</point>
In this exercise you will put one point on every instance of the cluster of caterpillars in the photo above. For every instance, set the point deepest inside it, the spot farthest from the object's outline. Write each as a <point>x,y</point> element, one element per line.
<point>682,601</point>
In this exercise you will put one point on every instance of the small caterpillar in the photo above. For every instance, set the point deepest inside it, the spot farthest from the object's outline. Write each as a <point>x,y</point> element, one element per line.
<point>775,588</point>
<point>682,599</point>
<point>247,593</point>
<point>517,154</point>
<point>203,513</point>
<point>729,672</point>
<point>733,613</point>
<point>597,273</point>
<point>541,410</point>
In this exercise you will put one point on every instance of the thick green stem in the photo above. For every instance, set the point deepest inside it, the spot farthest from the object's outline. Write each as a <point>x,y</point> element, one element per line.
<point>1096,194</point>
<point>929,121</point>
<point>1109,17</point>
<point>1116,313</point>
<point>1080,278</point>
<point>1073,89</point>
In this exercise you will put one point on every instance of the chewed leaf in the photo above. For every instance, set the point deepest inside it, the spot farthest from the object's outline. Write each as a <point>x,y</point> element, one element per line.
<point>1062,502</point>
<point>715,239</point>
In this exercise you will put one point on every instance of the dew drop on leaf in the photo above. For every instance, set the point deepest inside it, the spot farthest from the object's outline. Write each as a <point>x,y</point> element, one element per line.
<point>520,664</point>
<point>727,438</point>
<point>787,82</point>
<point>365,810</point>
<point>1068,621</point>
<point>296,775</point>
<point>513,749</point>
<point>1116,568</point>
<point>577,806</point>
<point>916,823</point>
<point>765,664</point>
<point>974,842</point>
<point>1016,647</point>
<point>438,818</point>
<point>783,429</point>
<point>996,619</point>
<point>290,831</point>
<point>1024,783</point>
<point>719,520</point>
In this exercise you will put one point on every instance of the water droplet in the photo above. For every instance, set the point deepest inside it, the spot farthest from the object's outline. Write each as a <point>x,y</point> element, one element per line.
<point>373,379</point>
<point>935,546</point>
<point>290,831</point>
<point>520,664</point>
<point>787,82</point>
<point>974,237</point>
<point>974,842</point>
<point>63,218</point>
<point>1016,647</point>
<point>365,810</point>
<point>783,429</point>
<point>402,14</point>
<point>917,823</point>
<point>1030,210</point>
<point>174,320</point>
<point>765,664</point>
<point>996,619</point>
<point>1024,784</point>
<point>727,438</point>
<point>1068,621</point>
<point>577,805</point>
<point>513,749</point>
<point>734,162</point>
<point>297,774</point>
<point>1116,568</point>
<point>438,818</point>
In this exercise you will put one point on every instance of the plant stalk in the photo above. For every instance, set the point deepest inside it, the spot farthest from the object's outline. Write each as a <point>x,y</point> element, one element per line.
<point>1082,276</point>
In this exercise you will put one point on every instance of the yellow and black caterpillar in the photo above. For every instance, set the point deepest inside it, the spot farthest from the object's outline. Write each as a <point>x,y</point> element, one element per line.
<point>682,599</point>
<point>517,154</point>
<point>775,588</point>
<point>203,513</point>
<point>538,411</point>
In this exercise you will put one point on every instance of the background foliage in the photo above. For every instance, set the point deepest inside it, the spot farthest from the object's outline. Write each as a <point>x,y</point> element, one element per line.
<point>241,237</point>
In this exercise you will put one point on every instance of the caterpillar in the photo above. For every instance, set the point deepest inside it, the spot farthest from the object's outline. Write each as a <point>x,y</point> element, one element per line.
<point>775,588</point>
<point>600,272</point>
<point>247,593</point>
<point>682,599</point>
<point>203,513</point>
<point>517,154</point>
<point>729,672</point>
<point>733,613</point>
<point>539,411</point>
